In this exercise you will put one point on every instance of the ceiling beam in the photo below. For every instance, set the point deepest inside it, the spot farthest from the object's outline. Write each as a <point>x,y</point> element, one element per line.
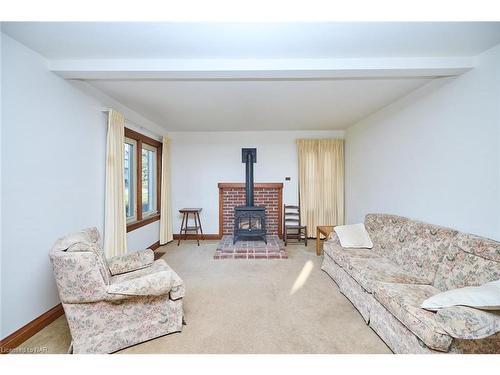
<point>242,69</point>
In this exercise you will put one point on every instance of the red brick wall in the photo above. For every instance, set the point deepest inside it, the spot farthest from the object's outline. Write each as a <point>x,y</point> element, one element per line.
<point>269,197</point>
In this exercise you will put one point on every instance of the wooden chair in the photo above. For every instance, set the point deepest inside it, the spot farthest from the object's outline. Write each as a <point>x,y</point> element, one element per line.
<point>292,227</point>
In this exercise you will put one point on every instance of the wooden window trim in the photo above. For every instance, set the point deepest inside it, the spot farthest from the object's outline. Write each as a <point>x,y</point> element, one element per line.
<point>140,139</point>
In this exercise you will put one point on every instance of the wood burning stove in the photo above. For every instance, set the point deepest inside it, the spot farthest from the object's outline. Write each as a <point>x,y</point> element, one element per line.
<point>249,220</point>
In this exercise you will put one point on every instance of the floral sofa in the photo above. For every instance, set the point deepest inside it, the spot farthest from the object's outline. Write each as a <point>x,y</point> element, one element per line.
<point>114,303</point>
<point>410,262</point>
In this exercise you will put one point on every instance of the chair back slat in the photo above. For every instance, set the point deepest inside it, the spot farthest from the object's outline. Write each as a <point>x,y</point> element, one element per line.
<point>292,227</point>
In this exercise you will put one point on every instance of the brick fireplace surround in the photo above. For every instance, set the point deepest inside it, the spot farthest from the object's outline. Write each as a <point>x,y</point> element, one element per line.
<point>269,195</point>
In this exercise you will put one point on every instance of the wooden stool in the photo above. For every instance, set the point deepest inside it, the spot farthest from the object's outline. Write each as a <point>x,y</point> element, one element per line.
<point>185,227</point>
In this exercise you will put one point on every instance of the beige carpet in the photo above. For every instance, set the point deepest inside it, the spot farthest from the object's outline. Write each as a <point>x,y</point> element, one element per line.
<point>250,306</point>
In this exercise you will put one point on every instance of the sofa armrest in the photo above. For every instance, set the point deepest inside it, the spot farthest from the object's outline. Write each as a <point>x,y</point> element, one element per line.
<point>130,262</point>
<point>333,238</point>
<point>154,284</point>
<point>467,323</point>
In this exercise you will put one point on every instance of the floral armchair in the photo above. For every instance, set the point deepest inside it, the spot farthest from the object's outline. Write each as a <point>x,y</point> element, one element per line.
<point>114,303</point>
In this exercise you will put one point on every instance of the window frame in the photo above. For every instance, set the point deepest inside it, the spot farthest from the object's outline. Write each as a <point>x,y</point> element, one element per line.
<point>154,198</point>
<point>133,178</point>
<point>152,216</point>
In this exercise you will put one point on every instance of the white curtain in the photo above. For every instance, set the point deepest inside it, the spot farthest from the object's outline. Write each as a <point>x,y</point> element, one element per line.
<point>115,221</point>
<point>321,182</point>
<point>166,234</point>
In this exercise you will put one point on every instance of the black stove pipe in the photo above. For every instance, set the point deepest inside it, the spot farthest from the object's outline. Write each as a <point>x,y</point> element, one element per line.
<point>249,180</point>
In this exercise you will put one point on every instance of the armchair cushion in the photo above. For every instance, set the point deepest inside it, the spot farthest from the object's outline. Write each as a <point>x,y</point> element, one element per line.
<point>130,262</point>
<point>177,285</point>
<point>154,284</point>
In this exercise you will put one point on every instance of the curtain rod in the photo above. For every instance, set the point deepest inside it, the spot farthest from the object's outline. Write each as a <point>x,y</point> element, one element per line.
<point>133,123</point>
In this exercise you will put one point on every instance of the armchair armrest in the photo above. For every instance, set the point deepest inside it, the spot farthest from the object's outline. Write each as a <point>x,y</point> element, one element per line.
<point>154,284</point>
<point>130,262</point>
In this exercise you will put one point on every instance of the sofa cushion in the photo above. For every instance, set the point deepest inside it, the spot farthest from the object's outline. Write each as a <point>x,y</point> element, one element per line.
<point>403,301</point>
<point>341,255</point>
<point>469,261</point>
<point>421,248</point>
<point>467,323</point>
<point>370,271</point>
<point>384,231</point>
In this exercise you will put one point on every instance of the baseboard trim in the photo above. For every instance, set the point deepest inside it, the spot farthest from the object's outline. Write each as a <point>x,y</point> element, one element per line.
<point>154,246</point>
<point>24,333</point>
<point>210,237</point>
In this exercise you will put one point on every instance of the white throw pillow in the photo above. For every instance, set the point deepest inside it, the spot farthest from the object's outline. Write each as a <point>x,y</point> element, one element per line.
<point>354,235</point>
<point>484,297</point>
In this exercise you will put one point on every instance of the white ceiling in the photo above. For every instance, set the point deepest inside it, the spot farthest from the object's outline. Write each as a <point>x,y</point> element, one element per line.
<point>257,105</point>
<point>141,40</point>
<point>301,76</point>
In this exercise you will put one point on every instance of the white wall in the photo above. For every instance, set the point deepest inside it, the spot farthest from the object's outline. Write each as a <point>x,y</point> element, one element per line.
<point>200,160</point>
<point>52,178</point>
<point>143,237</point>
<point>434,155</point>
<point>1,240</point>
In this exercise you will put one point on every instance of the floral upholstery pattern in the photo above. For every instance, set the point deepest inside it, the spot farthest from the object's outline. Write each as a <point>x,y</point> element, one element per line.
<point>154,284</point>
<point>130,262</point>
<point>105,327</point>
<point>468,323</point>
<point>469,261</point>
<point>367,267</point>
<point>368,272</point>
<point>422,248</point>
<point>88,235</point>
<point>394,333</point>
<point>85,240</point>
<point>342,255</point>
<point>177,288</point>
<point>403,302</point>
<point>107,313</point>
<point>384,232</point>
<point>78,277</point>
<point>358,296</point>
<point>411,261</point>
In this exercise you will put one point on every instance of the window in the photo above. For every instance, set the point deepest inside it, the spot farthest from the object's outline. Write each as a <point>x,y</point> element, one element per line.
<point>148,179</point>
<point>130,177</point>
<point>142,168</point>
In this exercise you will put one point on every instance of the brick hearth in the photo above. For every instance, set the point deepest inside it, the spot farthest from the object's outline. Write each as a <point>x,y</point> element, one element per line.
<point>274,249</point>
<point>269,195</point>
